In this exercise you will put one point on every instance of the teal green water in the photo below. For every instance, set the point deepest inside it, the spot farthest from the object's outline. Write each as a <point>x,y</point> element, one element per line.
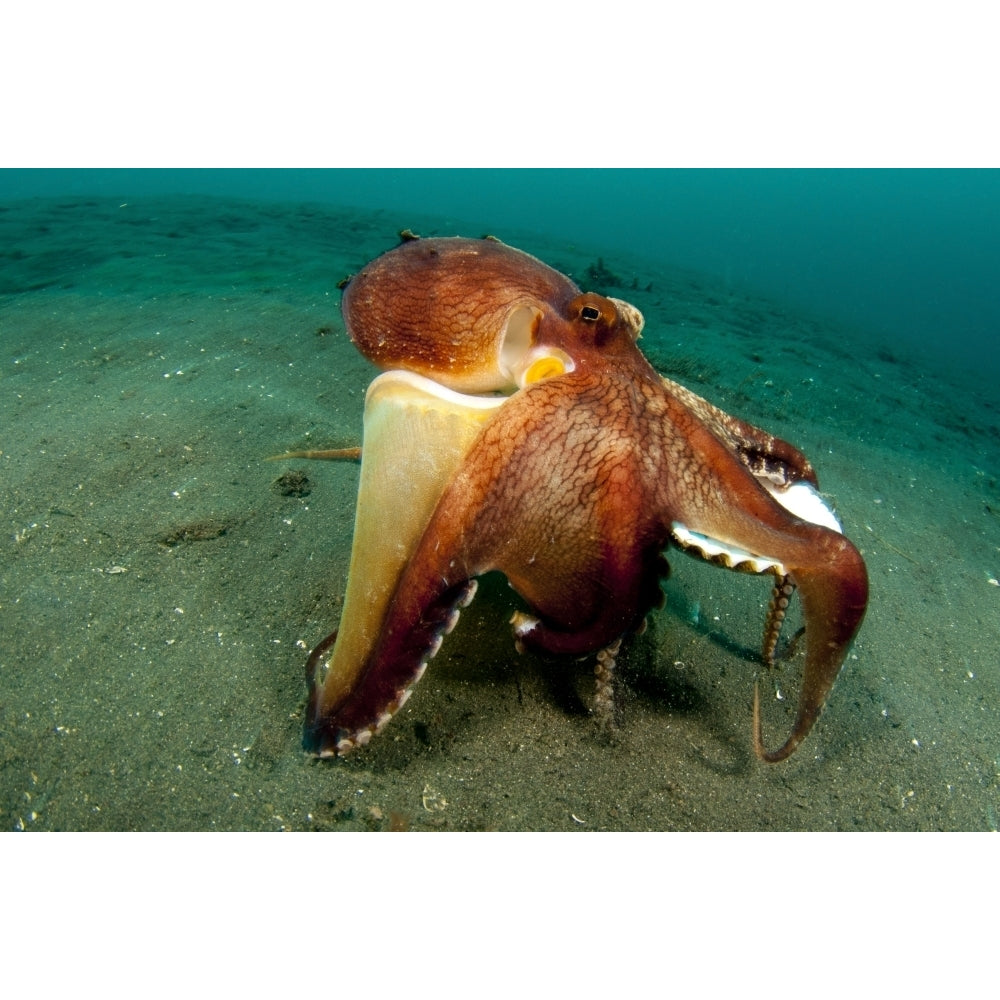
<point>159,590</point>
<point>909,255</point>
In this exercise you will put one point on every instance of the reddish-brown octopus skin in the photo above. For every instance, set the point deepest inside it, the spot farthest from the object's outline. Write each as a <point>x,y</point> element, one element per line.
<point>572,488</point>
<point>437,307</point>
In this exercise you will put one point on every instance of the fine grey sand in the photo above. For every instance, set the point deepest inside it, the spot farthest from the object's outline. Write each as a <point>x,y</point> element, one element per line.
<point>160,588</point>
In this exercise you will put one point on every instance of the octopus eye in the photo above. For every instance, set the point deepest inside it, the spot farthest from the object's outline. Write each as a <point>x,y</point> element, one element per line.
<point>590,314</point>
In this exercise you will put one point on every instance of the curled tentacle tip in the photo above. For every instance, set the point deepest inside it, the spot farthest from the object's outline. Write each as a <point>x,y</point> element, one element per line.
<point>761,752</point>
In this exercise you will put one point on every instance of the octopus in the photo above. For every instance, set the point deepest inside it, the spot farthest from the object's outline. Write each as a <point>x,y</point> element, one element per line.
<point>517,427</point>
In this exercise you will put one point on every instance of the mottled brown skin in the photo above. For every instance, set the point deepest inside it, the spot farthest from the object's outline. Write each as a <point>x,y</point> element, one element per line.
<point>572,488</point>
<point>437,307</point>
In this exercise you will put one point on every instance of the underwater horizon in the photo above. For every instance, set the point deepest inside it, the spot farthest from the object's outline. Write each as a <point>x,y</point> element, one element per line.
<point>906,256</point>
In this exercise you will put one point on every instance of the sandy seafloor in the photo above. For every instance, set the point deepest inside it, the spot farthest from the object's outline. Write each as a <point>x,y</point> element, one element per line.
<point>159,594</point>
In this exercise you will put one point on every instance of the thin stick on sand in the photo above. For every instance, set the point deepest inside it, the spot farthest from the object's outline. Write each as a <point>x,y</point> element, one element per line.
<point>323,454</point>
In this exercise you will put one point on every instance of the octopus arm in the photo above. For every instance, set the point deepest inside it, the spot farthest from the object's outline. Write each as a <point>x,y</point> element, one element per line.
<point>735,508</point>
